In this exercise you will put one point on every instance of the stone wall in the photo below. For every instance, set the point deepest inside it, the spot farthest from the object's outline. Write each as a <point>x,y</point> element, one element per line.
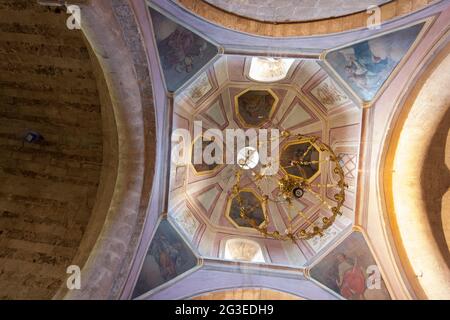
<point>47,189</point>
<point>111,30</point>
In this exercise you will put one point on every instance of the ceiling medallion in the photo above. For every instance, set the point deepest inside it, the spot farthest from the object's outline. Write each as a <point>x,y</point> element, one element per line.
<point>301,161</point>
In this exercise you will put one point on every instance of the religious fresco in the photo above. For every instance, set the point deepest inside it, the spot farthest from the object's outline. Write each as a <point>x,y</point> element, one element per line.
<point>366,65</point>
<point>182,52</point>
<point>167,258</point>
<point>351,271</point>
<point>254,107</point>
<point>303,152</point>
<point>210,145</point>
<point>253,206</point>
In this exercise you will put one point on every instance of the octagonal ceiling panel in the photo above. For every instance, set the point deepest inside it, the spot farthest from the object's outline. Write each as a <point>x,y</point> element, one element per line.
<point>302,96</point>
<point>255,107</point>
<point>206,198</point>
<point>300,151</point>
<point>167,258</point>
<point>204,166</point>
<point>250,201</point>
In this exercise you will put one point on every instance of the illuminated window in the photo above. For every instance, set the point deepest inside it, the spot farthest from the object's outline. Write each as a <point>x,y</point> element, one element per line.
<point>269,69</point>
<point>243,250</point>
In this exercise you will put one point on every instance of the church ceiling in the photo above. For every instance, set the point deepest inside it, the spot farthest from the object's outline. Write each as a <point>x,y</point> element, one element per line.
<point>171,252</point>
<point>338,268</point>
<point>223,97</point>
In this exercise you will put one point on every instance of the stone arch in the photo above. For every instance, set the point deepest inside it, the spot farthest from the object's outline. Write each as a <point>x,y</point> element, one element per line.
<point>127,75</point>
<point>416,179</point>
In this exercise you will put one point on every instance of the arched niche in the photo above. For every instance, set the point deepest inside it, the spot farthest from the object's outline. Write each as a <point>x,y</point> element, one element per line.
<point>267,69</point>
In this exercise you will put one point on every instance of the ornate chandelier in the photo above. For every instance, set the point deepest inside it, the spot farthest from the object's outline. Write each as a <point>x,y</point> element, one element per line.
<point>300,162</point>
